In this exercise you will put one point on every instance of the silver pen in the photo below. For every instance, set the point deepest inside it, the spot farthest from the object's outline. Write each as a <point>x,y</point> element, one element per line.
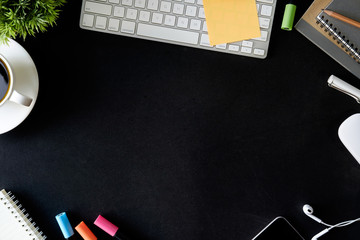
<point>344,87</point>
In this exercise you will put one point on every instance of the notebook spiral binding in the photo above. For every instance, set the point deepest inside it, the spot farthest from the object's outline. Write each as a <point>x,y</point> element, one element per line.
<point>341,40</point>
<point>20,214</point>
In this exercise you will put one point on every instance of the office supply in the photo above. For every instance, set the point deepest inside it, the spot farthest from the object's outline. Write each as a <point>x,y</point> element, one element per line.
<point>349,135</point>
<point>308,210</point>
<point>108,227</point>
<point>346,35</point>
<point>85,232</point>
<point>176,22</point>
<point>231,20</point>
<point>342,18</point>
<point>289,15</point>
<point>64,225</point>
<point>344,87</point>
<point>327,38</point>
<point>279,229</point>
<point>15,224</point>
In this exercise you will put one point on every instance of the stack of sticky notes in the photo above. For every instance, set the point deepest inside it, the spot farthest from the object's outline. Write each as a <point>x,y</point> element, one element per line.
<point>231,20</point>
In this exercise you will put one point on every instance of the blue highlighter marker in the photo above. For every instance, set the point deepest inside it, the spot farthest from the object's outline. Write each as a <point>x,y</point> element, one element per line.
<point>64,225</point>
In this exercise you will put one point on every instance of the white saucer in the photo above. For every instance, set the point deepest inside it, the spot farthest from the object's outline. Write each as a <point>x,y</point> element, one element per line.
<point>26,82</point>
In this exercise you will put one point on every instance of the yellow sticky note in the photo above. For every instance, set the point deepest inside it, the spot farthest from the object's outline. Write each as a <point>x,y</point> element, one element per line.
<point>231,20</point>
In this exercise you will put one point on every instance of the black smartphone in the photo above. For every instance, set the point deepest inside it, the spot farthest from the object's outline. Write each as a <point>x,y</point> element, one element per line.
<point>279,229</point>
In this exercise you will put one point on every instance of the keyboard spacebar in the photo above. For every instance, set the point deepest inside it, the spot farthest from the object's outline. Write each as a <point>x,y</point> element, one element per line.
<point>167,33</point>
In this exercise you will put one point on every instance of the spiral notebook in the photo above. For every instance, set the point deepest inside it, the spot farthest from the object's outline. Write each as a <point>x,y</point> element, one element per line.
<point>346,35</point>
<point>338,39</point>
<point>15,224</point>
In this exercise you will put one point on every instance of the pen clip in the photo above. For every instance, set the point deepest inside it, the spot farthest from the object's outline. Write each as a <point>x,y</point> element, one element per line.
<point>344,87</point>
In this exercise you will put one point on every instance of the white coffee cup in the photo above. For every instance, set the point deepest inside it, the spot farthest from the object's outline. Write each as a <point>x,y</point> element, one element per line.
<point>11,94</point>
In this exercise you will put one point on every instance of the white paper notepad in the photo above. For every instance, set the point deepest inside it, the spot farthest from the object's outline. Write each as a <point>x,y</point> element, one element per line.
<point>15,224</point>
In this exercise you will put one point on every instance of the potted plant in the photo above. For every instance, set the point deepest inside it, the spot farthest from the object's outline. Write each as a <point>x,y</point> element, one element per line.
<point>27,17</point>
<point>21,18</point>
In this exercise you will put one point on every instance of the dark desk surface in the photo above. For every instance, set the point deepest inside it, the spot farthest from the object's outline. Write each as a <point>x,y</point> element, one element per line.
<point>172,143</point>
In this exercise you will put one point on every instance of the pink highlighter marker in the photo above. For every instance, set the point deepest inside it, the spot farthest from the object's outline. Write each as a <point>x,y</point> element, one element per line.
<point>108,227</point>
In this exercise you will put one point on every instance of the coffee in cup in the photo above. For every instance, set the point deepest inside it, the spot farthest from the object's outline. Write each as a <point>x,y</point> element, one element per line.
<point>4,81</point>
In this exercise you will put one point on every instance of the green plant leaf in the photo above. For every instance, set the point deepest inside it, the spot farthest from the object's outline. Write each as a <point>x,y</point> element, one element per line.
<point>20,18</point>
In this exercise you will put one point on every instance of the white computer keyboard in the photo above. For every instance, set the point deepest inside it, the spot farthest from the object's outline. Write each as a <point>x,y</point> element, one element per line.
<point>179,22</point>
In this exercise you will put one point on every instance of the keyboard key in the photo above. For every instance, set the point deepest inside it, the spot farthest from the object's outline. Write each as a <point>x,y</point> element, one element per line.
<point>140,3</point>
<point>113,1</point>
<point>119,11</point>
<point>165,6</point>
<point>260,52</point>
<point>100,22</point>
<point>169,20</point>
<point>153,4</point>
<point>205,29</point>
<point>88,20</point>
<point>266,10</point>
<point>264,22</point>
<point>127,2</point>
<point>246,44</point>
<point>114,24</point>
<point>144,16</point>
<point>178,8</point>
<point>234,48</point>
<point>190,11</point>
<point>195,24</point>
<point>170,34</point>
<point>182,22</point>
<point>128,27</point>
<point>263,36</point>
<point>131,14</point>
<point>201,13</point>
<point>245,50</point>
<point>98,8</point>
<point>157,18</point>
<point>266,1</point>
<point>200,2</point>
<point>204,41</point>
<point>221,46</point>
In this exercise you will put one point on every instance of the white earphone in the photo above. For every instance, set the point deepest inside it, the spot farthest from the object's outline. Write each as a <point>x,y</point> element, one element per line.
<point>308,210</point>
